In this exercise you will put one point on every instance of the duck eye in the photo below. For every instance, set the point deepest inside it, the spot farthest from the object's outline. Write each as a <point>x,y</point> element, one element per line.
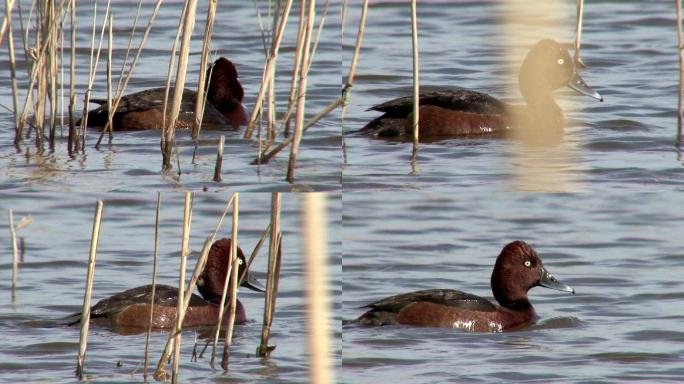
<point>528,263</point>
<point>561,61</point>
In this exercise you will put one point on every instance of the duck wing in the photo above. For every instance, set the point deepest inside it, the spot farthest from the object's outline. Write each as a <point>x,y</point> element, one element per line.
<point>448,297</point>
<point>457,99</point>
<point>164,295</point>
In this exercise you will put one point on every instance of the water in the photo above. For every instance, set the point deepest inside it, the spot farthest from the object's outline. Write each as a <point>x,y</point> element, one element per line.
<point>621,252</point>
<point>52,275</point>
<point>133,161</point>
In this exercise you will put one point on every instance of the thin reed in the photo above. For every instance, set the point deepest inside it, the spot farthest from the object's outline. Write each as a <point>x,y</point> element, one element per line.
<point>154,285</point>
<point>301,89</point>
<point>85,311</point>
<point>273,274</point>
<point>416,86</point>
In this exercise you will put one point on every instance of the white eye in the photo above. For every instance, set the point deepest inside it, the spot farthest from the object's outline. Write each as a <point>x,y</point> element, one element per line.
<point>561,61</point>
<point>528,263</point>
<point>240,261</point>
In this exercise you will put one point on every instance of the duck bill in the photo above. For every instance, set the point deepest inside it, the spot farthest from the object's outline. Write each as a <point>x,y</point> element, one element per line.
<point>549,281</point>
<point>577,83</point>
<point>252,283</point>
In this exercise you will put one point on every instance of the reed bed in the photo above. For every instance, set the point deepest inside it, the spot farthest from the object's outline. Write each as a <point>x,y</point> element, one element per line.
<point>52,28</point>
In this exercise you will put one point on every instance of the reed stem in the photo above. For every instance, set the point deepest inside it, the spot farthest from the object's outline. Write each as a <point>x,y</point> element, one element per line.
<point>301,91</point>
<point>12,64</point>
<point>578,33</point>
<point>154,287</point>
<point>233,285</point>
<point>180,308</point>
<point>204,64</point>
<point>416,84</point>
<point>188,26</point>
<point>85,311</point>
<point>274,254</point>
<point>680,46</point>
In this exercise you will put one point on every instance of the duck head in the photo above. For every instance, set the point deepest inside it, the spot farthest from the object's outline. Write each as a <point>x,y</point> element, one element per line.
<point>224,89</point>
<point>547,67</point>
<point>211,281</point>
<point>518,269</point>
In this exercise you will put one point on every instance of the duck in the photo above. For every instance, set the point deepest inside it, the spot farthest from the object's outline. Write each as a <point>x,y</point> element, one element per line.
<point>517,269</point>
<point>131,308</point>
<point>460,112</point>
<point>143,110</point>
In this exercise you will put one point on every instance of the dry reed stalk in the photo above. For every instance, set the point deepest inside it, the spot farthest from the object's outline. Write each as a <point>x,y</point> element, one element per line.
<point>12,64</point>
<point>85,311</point>
<point>264,158</point>
<point>346,90</point>
<point>219,159</point>
<point>229,272</point>
<point>269,69</point>
<point>233,284</point>
<point>180,308</point>
<point>169,139</point>
<point>256,250</point>
<point>264,350</point>
<point>416,83</point>
<point>680,46</point>
<point>72,144</point>
<point>578,33</point>
<point>201,83</point>
<point>301,91</point>
<point>295,72</point>
<point>129,46</point>
<point>321,23</point>
<point>15,250</point>
<point>154,287</point>
<point>110,116</point>
<point>52,66</point>
<point>315,253</point>
<point>7,22</point>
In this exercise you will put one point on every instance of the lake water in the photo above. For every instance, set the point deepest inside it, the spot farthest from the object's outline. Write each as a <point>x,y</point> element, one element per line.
<point>52,275</point>
<point>133,161</point>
